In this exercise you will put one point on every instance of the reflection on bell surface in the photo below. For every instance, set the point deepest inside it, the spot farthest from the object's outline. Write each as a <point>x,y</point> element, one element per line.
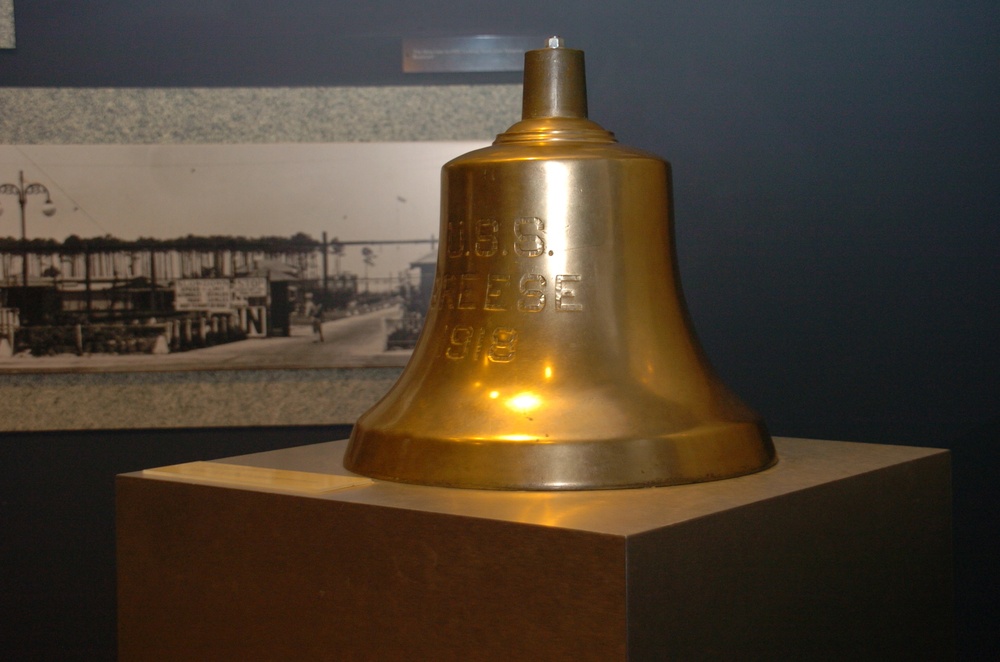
<point>557,352</point>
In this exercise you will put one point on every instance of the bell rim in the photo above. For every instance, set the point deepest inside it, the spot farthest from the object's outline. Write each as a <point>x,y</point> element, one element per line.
<point>712,452</point>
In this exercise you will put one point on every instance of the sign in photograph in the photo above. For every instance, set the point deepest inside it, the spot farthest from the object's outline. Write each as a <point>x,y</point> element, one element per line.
<point>217,294</point>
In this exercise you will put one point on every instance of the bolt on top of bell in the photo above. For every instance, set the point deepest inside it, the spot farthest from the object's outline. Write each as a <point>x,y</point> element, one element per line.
<point>554,101</point>
<point>557,352</point>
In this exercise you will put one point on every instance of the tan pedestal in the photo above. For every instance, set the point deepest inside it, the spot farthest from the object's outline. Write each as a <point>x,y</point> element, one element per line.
<point>841,551</point>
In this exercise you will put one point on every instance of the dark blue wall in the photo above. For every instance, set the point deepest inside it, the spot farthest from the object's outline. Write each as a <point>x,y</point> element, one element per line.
<point>835,168</point>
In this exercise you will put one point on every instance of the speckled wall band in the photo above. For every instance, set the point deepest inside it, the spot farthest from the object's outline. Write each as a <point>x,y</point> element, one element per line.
<point>7,24</point>
<point>255,115</point>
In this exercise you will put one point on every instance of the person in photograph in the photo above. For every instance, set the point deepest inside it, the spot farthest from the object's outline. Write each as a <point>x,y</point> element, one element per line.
<point>315,312</point>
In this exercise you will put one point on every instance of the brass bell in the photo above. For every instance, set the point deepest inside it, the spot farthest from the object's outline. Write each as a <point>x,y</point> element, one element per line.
<point>557,352</point>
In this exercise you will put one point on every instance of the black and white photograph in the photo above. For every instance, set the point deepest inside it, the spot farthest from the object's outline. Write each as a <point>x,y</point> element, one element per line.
<point>194,257</point>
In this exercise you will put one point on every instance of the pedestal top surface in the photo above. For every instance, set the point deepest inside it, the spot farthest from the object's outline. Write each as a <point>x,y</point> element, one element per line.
<point>803,464</point>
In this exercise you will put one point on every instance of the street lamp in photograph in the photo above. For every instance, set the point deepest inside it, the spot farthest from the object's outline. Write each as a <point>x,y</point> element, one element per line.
<point>369,257</point>
<point>22,190</point>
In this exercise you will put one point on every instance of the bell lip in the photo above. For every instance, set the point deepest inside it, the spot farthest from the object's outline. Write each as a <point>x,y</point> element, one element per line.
<point>774,460</point>
<point>747,448</point>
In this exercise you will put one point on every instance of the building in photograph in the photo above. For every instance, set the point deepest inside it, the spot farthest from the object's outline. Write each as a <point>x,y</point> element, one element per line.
<point>110,295</point>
